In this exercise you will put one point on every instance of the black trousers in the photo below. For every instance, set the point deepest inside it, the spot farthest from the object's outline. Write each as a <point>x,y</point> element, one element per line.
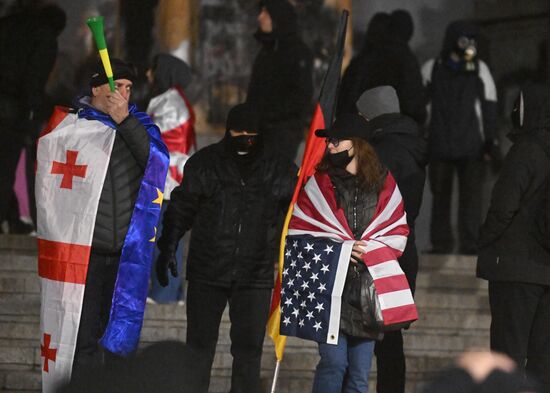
<point>100,284</point>
<point>248,312</point>
<point>390,363</point>
<point>470,177</point>
<point>11,144</point>
<point>520,325</point>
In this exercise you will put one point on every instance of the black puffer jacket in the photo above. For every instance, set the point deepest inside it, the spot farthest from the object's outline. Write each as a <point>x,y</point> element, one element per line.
<point>126,168</point>
<point>398,146</point>
<point>509,250</point>
<point>281,83</point>
<point>359,204</point>
<point>236,223</point>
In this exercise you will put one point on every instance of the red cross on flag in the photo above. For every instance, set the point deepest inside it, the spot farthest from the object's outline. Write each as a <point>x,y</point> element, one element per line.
<point>72,161</point>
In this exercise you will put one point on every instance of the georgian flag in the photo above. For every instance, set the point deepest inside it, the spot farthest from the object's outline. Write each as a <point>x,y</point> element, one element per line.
<point>72,162</point>
<point>318,251</point>
<point>173,114</point>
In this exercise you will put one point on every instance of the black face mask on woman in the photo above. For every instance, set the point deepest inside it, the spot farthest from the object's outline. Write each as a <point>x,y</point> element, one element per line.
<point>341,159</point>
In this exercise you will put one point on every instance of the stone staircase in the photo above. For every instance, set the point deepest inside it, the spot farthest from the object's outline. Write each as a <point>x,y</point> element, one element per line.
<point>452,303</point>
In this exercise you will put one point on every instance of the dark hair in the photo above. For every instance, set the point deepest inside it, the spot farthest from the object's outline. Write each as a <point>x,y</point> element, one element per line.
<point>370,172</point>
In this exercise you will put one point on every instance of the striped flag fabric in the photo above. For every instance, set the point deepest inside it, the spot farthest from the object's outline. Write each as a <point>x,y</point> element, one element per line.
<point>314,150</point>
<point>173,114</point>
<point>318,251</point>
<point>72,162</point>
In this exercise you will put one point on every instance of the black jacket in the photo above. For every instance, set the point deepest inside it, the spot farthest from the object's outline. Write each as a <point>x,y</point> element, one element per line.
<point>236,223</point>
<point>281,83</point>
<point>400,149</point>
<point>463,105</point>
<point>116,204</point>
<point>385,60</point>
<point>509,250</point>
<point>29,47</point>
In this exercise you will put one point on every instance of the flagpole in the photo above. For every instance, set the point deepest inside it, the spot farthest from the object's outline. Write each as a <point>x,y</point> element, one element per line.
<point>275,376</point>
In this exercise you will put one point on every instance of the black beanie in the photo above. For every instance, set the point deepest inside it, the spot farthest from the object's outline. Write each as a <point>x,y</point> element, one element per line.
<point>243,117</point>
<point>121,70</point>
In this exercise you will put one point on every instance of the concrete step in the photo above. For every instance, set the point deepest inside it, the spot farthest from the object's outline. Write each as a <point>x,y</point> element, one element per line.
<point>449,263</point>
<point>20,243</point>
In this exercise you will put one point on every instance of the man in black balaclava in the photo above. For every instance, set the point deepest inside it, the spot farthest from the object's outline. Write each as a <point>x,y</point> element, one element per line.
<point>512,255</point>
<point>461,135</point>
<point>281,80</point>
<point>386,59</point>
<point>233,195</point>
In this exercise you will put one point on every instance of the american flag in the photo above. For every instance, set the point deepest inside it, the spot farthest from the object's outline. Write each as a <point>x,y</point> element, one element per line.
<point>317,254</point>
<point>312,268</point>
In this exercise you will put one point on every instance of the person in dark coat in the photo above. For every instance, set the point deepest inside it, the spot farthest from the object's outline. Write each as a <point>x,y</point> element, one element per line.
<point>397,143</point>
<point>233,195</point>
<point>28,43</point>
<point>281,81</point>
<point>386,59</point>
<point>461,135</point>
<point>516,265</point>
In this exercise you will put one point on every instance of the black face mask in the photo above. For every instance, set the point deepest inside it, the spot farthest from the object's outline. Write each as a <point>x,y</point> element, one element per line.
<point>244,144</point>
<point>341,159</point>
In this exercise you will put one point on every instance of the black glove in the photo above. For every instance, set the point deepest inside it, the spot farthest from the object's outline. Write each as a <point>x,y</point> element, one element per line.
<point>492,150</point>
<point>165,261</point>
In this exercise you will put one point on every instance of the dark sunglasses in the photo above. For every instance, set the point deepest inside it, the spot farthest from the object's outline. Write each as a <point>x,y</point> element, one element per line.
<point>335,141</point>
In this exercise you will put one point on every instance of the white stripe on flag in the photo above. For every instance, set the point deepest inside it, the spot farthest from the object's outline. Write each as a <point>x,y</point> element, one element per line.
<point>298,232</point>
<point>169,110</point>
<point>385,269</point>
<point>338,288</point>
<point>395,299</point>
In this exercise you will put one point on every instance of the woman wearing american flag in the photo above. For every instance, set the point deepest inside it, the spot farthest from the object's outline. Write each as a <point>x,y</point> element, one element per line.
<point>349,217</point>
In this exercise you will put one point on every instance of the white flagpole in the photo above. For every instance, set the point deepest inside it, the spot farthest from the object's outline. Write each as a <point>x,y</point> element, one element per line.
<point>275,377</point>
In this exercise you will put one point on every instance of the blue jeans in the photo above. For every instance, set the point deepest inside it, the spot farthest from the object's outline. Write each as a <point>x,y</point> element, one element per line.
<point>174,291</point>
<point>344,368</point>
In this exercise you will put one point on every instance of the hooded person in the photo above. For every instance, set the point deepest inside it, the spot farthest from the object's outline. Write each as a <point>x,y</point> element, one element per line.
<point>461,135</point>
<point>100,174</point>
<point>233,196</point>
<point>399,147</point>
<point>281,84</point>
<point>511,257</point>
<point>173,114</point>
<point>28,42</point>
<point>386,59</point>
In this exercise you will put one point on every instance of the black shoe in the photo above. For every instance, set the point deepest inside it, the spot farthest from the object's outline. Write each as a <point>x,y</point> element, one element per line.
<point>20,228</point>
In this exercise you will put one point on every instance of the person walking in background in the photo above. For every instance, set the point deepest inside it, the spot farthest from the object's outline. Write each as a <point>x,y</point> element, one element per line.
<point>386,59</point>
<point>171,111</point>
<point>398,145</point>
<point>233,196</point>
<point>28,43</point>
<point>461,135</point>
<point>514,255</point>
<point>281,85</point>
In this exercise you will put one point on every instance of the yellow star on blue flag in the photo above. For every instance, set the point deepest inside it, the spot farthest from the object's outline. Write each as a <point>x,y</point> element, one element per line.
<point>154,237</point>
<point>160,197</point>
